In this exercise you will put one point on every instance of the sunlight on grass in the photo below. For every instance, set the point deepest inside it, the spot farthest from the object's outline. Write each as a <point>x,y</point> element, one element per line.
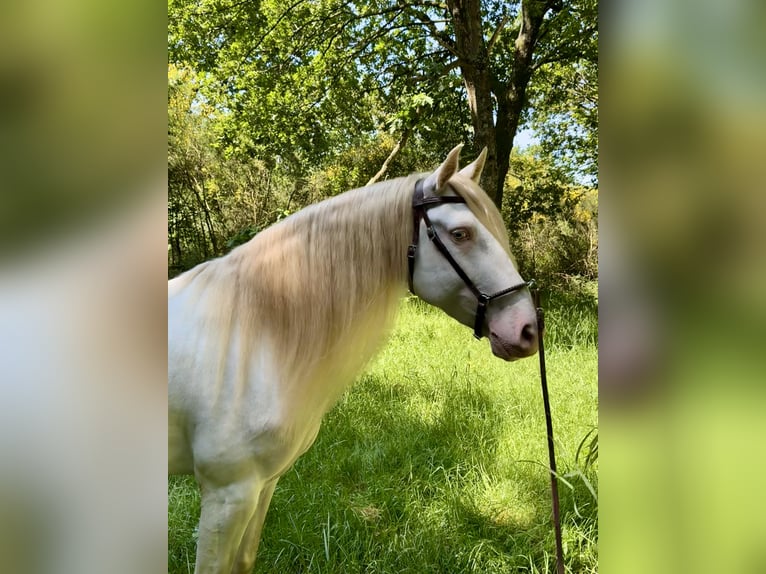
<point>436,461</point>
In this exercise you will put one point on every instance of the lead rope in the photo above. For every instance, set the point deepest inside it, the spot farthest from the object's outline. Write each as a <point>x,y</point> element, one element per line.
<point>549,427</point>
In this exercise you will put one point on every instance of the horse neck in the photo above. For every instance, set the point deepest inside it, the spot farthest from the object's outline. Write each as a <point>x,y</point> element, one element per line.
<point>326,281</point>
<point>365,233</point>
<point>357,245</point>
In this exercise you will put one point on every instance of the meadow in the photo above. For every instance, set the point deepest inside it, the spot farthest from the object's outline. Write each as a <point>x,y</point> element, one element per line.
<point>435,461</point>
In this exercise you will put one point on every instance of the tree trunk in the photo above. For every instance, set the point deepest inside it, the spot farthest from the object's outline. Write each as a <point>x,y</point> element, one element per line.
<point>481,84</point>
<point>174,239</point>
<point>473,60</point>
<point>512,97</point>
<point>509,109</point>
<point>507,125</point>
<point>199,193</point>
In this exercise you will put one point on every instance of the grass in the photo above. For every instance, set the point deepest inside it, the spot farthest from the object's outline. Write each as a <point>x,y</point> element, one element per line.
<point>436,461</point>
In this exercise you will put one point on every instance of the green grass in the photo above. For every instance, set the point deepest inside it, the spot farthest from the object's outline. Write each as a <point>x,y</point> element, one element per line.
<point>436,461</point>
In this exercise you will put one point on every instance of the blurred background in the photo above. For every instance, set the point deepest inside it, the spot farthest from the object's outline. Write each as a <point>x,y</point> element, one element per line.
<point>84,252</point>
<point>682,283</point>
<point>82,282</point>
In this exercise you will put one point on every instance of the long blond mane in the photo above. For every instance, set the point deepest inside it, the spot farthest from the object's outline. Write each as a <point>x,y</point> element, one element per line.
<point>326,279</point>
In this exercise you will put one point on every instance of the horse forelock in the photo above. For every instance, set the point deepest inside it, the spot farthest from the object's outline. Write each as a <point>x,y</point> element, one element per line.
<point>483,208</point>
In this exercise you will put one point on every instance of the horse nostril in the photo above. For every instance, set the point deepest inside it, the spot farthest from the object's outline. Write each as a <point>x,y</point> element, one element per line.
<point>528,333</point>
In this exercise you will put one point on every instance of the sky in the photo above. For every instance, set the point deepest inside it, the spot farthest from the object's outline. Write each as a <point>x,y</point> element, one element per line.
<point>525,138</point>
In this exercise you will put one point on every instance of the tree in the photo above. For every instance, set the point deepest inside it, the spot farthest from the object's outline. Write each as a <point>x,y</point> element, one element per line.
<point>497,71</point>
<point>563,111</point>
<point>552,221</point>
<point>304,80</point>
<point>213,197</point>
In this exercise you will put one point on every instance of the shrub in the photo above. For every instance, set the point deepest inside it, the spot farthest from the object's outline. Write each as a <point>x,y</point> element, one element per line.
<point>553,223</point>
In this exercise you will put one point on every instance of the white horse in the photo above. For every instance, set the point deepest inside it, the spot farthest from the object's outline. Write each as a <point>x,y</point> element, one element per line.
<point>263,341</point>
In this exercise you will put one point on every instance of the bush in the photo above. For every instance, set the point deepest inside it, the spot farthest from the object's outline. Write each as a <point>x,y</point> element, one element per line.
<point>553,223</point>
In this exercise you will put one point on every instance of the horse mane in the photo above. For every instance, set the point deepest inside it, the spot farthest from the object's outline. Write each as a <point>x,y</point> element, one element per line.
<point>328,278</point>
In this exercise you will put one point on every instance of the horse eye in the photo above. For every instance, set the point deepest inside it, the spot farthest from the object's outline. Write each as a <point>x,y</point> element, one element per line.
<point>460,234</point>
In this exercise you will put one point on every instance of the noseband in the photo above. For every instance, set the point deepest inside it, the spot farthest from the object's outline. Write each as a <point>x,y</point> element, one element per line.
<point>420,207</point>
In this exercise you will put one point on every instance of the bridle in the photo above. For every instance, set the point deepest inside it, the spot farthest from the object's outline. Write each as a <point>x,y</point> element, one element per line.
<point>420,207</point>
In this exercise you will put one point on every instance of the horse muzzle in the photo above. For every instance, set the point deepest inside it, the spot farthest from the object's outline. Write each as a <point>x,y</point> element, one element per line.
<point>513,342</point>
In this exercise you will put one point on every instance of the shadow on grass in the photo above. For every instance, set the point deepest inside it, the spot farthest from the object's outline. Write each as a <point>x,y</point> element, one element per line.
<point>387,488</point>
<point>407,475</point>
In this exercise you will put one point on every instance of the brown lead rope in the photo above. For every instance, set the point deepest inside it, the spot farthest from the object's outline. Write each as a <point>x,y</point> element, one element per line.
<point>549,427</point>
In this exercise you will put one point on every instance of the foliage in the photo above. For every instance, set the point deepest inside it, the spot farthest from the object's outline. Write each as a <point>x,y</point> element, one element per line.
<point>563,97</point>
<point>565,117</point>
<point>552,222</point>
<point>302,81</point>
<point>273,106</point>
<point>189,154</point>
<point>214,198</point>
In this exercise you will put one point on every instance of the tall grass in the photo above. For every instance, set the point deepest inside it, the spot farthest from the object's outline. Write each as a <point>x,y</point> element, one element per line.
<point>436,461</point>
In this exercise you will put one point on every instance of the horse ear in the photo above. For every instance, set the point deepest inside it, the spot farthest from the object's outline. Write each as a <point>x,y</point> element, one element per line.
<point>435,182</point>
<point>473,170</point>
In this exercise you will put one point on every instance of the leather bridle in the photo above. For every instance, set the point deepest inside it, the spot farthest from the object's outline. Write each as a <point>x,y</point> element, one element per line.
<point>420,207</point>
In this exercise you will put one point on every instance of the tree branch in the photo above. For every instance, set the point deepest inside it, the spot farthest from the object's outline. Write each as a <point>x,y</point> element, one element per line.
<point>496,33</point>
<point>394,152</point>
<point>271,29</point>
<point>442,39</point>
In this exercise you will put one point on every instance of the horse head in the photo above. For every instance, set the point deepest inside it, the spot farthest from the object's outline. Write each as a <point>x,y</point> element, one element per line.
<point>463,256</point>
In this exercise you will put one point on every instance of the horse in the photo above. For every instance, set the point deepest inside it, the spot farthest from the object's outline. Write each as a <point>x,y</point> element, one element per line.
<point>264,340</point>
